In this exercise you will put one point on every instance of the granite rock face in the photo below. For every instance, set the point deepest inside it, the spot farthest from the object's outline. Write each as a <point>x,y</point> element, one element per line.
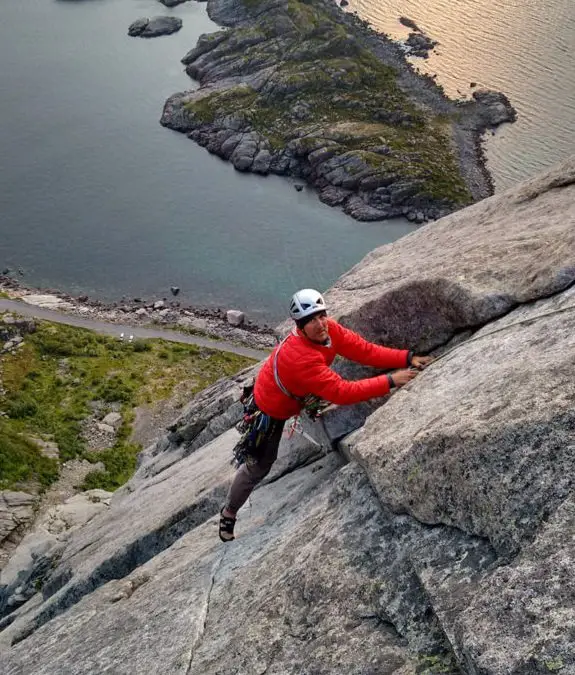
<point>39,550</point>
<point>16,511</point>
<point>438,540</point>
<point>467,269</point>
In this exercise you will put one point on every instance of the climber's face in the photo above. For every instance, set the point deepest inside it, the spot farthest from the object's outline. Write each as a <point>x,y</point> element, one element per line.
<point>316,328</point>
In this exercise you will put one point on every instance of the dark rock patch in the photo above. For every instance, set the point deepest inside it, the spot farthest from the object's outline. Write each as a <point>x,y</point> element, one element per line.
<point>420,45</point>
<point>158,25</point>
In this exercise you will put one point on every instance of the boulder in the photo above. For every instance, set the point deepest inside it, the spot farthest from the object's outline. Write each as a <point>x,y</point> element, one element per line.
<point>138,26</point>
<point>357,208</point>
<point>419,44</point>
<point>495,107</point>
<point>235,318</point>
<point>262,162</point>
<point>409,23</point>
<point>105,428</point>
<point>154,27</point>
<point>113,419</point>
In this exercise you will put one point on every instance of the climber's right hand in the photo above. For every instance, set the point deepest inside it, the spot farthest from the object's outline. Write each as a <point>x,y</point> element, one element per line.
<point>401,377</point>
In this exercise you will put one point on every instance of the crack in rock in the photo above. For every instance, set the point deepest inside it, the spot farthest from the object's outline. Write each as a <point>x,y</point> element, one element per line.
<point>206,611</point>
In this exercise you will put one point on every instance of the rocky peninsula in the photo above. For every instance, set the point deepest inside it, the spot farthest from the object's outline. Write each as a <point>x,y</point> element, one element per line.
<point>437,538</point>
<point>304,89</point>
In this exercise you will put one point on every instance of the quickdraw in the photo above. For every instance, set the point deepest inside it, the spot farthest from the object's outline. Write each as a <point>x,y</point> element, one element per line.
<point>254,427</point>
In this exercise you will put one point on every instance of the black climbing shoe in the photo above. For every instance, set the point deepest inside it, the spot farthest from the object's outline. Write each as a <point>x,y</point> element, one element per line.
<point>226,531</point>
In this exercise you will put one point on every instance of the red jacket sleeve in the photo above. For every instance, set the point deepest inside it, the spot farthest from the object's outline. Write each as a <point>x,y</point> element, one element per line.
<point>352,346</point>
<point>325,383</point>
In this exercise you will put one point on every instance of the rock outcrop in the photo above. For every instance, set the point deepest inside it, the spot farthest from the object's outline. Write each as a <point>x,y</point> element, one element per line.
<point>420,45</point>
<point>41,547</point>
<point>439,540</point>
<point>304,89</point>
<point>16,513</point>
<point>154,27</point>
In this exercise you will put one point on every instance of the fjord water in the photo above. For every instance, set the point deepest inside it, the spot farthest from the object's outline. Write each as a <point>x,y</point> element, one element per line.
<point>524,48</point>
<point>96,197</point>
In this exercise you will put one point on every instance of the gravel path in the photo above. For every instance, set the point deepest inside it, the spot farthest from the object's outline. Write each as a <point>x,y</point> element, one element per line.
<point>116,329</point>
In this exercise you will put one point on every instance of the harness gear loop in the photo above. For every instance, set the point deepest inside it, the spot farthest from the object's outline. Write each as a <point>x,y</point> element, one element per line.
<point>254,427</point>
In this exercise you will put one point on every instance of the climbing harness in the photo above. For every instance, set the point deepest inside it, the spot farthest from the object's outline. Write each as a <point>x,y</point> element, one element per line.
<point>254,427</point>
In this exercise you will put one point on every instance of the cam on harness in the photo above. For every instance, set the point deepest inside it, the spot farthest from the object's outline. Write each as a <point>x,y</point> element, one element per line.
<point>254,427</point>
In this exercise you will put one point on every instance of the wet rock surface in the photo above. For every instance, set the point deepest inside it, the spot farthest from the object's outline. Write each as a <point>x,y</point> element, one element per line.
<point>420,44</point>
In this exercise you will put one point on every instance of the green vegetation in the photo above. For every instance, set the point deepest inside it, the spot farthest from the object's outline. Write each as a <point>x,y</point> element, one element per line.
<point>51,382</point>
<point>234,99</point>
<point>21,461</point>
<point>318,64</point>
<point>554,665</point>
<point>436,664</point>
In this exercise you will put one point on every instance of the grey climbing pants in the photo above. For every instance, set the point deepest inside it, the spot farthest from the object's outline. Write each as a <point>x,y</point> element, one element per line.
<point>255,470</point>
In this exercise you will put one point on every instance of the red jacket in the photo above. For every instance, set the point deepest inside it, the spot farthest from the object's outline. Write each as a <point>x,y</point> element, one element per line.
<point>304,368</point>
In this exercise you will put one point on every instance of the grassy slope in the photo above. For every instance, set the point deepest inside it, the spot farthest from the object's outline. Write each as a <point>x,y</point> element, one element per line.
<point>51,381</point>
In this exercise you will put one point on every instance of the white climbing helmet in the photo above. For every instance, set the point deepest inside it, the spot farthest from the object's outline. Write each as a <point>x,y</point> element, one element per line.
<point>305,303</point>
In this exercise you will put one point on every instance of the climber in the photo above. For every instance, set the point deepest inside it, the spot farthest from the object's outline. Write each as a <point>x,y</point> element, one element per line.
<point>295,376</point>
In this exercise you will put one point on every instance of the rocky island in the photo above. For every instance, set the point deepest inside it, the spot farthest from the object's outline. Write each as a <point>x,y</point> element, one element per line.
<point>303,89</point>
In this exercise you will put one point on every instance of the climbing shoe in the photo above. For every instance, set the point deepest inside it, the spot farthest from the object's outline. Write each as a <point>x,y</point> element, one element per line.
<point>226,530</point>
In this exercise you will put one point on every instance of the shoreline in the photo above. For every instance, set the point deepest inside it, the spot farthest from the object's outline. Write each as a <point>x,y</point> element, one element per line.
<point>468,131</point>
<point>164,313</point>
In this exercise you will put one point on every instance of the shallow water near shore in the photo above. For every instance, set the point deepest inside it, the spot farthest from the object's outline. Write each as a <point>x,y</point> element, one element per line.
<point>525,49</point>
<point>96,197</point>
